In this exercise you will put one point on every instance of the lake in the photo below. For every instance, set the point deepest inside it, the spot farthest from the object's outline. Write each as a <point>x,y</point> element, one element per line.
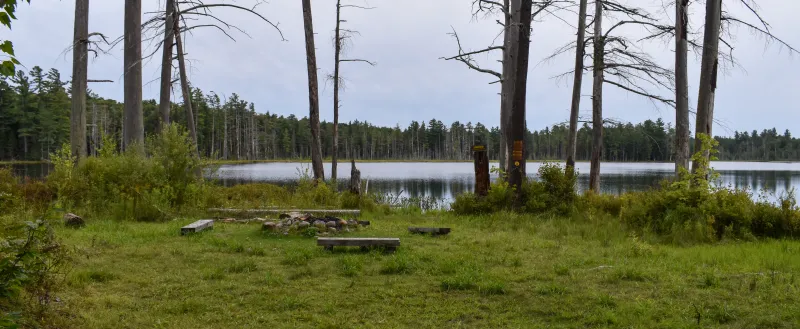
<point>443,180</point>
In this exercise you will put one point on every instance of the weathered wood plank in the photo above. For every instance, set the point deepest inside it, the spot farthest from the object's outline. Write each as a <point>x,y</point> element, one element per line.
<point>354,212</point>
<point>198,226</point>
<point>358,242</point>
<point>431,230</point>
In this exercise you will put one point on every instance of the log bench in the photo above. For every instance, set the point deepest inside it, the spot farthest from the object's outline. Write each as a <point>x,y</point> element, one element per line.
<point>198,226</point>
<point>430,230</point>
<point>390,244</point>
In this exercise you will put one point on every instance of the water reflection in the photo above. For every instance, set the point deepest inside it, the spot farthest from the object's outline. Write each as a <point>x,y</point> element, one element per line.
<point>444,180</point>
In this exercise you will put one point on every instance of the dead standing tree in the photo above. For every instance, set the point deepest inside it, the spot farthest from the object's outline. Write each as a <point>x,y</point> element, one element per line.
<point>709,67</point>
<point>489,8</point>
<point>618,61</point>
<point>174,21</point>
<point>340,39</point>
<point>133,129</point>
<point>313,94</point>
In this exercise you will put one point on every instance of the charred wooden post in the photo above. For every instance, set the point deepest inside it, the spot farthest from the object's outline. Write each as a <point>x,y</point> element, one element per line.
<point>355,178</point>
<point>481,169</point>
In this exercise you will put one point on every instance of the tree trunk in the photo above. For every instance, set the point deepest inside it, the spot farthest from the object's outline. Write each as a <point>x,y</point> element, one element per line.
<point>337,53</point>
<point>355,178</point>
<point>313,93</point>
<point>134,119</point>
<point>708,76</point>
<point>580,50</point>
<point>80,66</point>
<point>505,88</point>
<point>187,97</point>
<point>517,57</point>
<point>164,104</point>
<point>681,86</point>
<point>597,99</point>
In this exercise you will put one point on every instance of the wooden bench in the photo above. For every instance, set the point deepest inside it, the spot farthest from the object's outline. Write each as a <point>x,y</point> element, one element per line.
<point>431,230</point>
<point>198,226</point>
<point>389,243</point>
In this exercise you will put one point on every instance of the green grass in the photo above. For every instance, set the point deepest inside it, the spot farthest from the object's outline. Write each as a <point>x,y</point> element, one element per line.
<point>499,271</point>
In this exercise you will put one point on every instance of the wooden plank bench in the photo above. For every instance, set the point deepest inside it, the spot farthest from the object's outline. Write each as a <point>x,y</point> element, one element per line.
<point>198,226</point>
<point>389,243</point>
<point>431,230</point>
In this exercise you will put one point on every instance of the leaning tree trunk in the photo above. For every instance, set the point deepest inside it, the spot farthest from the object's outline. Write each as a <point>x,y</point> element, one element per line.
<point>134,118</point>
<point>165,103</point>
<point>708,76</point>
<point>597,99</point>
<point>681,86</point>
<point>187,97</point>
<point>576,89</point>
<point>80,54</point>
<point>313,93</point>
<point>517,56</point>
<point>337,53</point>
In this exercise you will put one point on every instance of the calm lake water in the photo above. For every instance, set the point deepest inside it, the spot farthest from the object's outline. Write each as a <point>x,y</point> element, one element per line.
<point>443,180</point>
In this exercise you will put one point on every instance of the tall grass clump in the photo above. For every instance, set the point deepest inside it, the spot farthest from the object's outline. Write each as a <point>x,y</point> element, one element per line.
<point>149,186</point>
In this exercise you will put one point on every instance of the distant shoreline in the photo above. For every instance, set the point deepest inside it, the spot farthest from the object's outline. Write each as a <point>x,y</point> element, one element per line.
<point>345,161</point>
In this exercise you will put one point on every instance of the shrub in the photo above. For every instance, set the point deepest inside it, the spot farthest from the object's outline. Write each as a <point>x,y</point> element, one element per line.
<point>129,184</point>
<point>31,268</point>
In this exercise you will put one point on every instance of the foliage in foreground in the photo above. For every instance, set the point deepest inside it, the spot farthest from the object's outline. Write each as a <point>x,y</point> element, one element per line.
<point>31,270</point>
<point>690,208</point>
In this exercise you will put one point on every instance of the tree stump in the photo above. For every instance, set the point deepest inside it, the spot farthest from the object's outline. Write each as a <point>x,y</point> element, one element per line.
<point>355,178</point>
<point>481,170</point>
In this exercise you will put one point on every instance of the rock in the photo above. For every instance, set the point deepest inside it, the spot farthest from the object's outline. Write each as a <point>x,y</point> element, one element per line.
<point>319,224</point>
<point>73,220</point>
<point>332,230</point>
<point>303,225</point>
<point>284,216</point>
<point>352,222</point>
<point>342,223</point>
<point>269,226</point>
<point>330,224</point>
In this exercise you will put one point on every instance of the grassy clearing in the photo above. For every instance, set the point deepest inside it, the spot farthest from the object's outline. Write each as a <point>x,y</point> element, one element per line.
<point>502,270</point>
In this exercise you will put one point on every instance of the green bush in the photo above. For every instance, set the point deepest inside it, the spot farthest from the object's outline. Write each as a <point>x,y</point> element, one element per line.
<point>132,185</point>
<point>554,191</point>
<point>692,209</point>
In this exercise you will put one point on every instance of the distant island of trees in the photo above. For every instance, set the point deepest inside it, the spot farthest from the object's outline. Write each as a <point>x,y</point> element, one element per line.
<point>35,119</point>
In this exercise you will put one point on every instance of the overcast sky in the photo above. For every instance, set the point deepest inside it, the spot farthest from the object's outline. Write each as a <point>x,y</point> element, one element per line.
<point>407,38</point>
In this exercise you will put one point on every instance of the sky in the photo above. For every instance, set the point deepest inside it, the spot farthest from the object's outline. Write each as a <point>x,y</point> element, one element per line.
<point>407,39</point>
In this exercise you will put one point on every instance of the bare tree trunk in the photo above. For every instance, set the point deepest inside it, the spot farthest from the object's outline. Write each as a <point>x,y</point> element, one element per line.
<point>708,75</point>
<point>225,133</point>
<point>337,54</point>
<point>187,97</point>
<point>164,104</point>
<point>134,118</point>
<point>80,66</point>
<point>597,99</point>
<point>95,136</point>
<point>507,74</point>
<point>681,86</point>
<point>580,49</point>
<point>313,93</point>
<point>517,58</point>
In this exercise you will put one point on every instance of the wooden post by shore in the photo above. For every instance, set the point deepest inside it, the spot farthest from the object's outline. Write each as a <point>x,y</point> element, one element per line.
<point>481,169</point>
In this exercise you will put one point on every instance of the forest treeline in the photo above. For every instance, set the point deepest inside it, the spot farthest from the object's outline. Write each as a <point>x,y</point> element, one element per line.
<point>34,121</point>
